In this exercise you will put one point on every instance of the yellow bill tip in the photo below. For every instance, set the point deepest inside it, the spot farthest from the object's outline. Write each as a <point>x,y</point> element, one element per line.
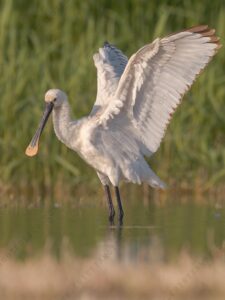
<point>31,151</point>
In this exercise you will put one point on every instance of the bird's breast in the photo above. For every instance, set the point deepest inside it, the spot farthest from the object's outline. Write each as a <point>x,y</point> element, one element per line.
<point>85,142</point>
<point>90,148</point>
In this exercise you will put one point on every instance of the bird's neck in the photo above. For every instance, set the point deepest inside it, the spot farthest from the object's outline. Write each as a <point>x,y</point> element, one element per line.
<point>62,122</point>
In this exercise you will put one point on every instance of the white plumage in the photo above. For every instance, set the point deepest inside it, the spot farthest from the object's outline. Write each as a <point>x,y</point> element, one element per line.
<point>110,63</point>
<point>135,101</point>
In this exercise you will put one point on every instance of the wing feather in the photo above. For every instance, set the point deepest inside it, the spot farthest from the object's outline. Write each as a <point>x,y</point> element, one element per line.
<point>156,78</point>
<point>110,63</point>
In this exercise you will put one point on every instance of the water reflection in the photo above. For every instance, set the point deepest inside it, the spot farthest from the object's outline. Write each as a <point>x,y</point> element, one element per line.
<point>152,231</point>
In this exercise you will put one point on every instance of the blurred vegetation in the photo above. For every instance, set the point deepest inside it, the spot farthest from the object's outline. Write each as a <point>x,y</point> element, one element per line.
<point>47,44</point>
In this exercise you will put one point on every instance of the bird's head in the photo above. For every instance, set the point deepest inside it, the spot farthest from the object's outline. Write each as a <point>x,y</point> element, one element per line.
<point>54,98</point>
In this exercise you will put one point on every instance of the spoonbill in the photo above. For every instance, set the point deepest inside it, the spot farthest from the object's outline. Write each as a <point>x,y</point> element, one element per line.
<point>135,101</point>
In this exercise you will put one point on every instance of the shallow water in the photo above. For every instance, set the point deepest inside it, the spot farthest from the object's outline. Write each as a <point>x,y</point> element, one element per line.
<point>153,230</point>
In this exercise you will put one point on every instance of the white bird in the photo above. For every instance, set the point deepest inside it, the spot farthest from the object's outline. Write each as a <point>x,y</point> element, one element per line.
<point>135,101</point>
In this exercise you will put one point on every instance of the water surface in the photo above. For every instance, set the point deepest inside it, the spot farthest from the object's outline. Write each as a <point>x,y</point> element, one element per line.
<point>153,229</point>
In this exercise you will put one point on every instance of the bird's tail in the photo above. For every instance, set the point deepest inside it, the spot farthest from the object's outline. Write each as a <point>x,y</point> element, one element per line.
<point>139,171</point>
<point>154,181</point>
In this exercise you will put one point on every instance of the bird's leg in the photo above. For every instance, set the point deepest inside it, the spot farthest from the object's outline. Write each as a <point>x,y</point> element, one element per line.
<point>121,213</point>
<point>110,204</point>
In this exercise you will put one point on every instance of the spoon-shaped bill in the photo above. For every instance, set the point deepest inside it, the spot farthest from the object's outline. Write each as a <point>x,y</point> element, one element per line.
<point>32,149</point>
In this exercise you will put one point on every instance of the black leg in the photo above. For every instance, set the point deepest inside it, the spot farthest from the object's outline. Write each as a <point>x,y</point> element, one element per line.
<point>121,213</point>
<point>110,204</point>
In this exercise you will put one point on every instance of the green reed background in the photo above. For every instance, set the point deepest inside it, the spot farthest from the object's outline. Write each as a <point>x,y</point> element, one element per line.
<point>47,44</point>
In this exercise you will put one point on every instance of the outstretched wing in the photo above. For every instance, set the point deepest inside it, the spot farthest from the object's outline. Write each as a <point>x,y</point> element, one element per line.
<point>110,63</point>
<point>156,78</point>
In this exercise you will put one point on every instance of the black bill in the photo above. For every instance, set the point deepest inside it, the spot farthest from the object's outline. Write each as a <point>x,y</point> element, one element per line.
<point>32,149</point>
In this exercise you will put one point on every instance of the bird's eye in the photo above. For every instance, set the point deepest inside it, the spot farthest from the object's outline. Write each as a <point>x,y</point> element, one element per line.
<point>54,99</point>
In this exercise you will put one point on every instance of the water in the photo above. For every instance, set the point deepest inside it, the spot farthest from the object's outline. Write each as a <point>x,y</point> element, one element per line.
<point>156,229</point>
